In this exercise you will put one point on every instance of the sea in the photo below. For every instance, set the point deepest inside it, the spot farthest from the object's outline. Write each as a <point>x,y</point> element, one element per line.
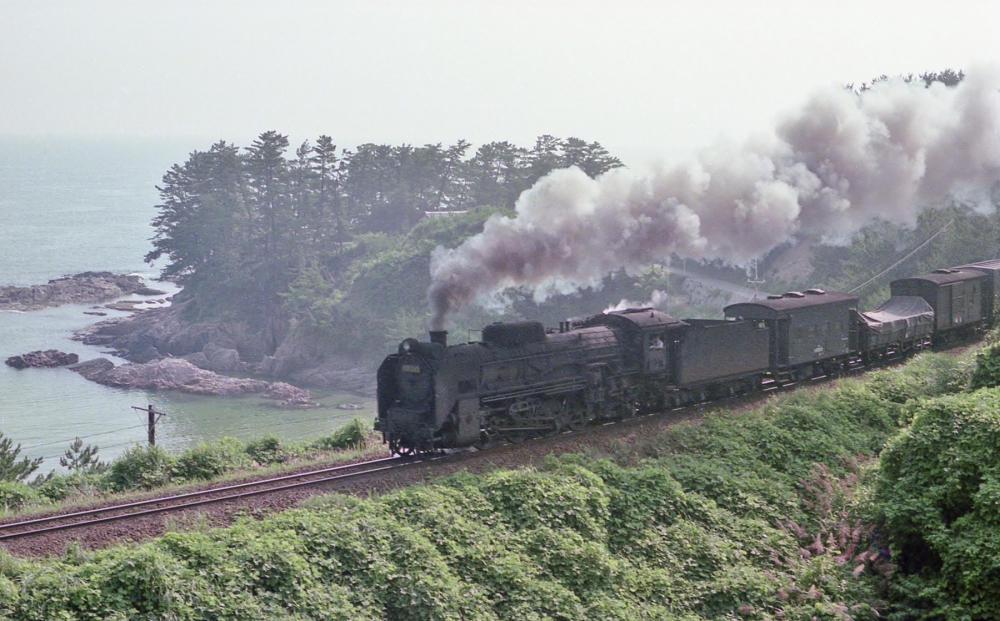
<point>70,205</point>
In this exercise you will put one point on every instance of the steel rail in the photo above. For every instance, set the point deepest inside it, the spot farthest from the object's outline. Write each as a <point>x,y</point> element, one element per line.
<point>170,502</point>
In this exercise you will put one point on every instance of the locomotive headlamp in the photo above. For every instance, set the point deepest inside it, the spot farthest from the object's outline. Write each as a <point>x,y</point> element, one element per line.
<point>406,346</point>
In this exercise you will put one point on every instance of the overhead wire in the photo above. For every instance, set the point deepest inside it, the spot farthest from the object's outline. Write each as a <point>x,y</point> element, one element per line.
<point>900,261</point>
<point>893,259</point>
<point>93,435</point>
<point>224,431</point>
<point>877,265</point>
<point>103,448</point>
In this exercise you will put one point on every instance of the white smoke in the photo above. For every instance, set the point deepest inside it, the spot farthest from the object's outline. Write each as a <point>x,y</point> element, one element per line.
<point>827,169</point>
<point>657,300</point>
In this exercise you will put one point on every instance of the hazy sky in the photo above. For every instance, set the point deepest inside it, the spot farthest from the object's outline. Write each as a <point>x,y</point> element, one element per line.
<point>646,79</point>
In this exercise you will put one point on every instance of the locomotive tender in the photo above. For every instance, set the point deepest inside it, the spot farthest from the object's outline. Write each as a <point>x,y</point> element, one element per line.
<point>521,380</point>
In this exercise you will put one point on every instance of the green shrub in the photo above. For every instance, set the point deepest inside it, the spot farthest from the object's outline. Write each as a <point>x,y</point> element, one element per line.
<point>938,492</point>
<point>12,469</point>
<point>584,566</point>
<point>140,467</point>
<point>144,582</point>
<point>754,493</point>
<point>209,460</point>
<point>14,495</point>
<point>267,450</point>
<point>986,372</point>
<point>8,597</point>
<point>272,565</point>
<point>58,487</point>
<point>353,435</point>
<point>927,375</point>
<point>528,499</point>
<point>61,591</point>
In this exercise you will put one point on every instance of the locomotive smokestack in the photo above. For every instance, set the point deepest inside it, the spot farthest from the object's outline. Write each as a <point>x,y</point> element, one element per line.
<point>440,337</point>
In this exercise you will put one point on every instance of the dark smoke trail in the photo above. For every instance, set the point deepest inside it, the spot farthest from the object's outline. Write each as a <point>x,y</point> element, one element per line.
<point>828,169</point>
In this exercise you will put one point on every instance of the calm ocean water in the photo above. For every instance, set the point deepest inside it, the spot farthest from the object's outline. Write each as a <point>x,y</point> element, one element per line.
<point>73,205</point>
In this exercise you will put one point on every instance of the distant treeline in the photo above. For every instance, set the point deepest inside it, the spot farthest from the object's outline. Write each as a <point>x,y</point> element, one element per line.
<point>239,223</point>
<point>948,77</point>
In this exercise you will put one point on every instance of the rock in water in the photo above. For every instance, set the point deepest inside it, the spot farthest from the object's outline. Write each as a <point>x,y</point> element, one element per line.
<point>180,374</point>
<point>289,395</point>
<point>48,358</point>
<point>79,289</point>
<point>149,291</point>
<point>92,369</point>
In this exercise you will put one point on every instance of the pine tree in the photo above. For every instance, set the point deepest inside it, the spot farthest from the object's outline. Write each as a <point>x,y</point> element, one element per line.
<point>10,468</point>
<point>80,458</point>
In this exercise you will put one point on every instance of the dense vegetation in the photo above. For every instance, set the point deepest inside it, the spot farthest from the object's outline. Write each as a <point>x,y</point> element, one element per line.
<point>786,512</point>
<point>334,246</point>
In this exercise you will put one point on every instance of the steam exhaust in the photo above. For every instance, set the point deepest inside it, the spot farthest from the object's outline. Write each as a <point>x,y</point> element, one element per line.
<point>827,169</point>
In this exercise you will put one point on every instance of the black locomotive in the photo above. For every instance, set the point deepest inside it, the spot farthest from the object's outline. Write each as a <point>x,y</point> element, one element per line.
<point>522,380</point>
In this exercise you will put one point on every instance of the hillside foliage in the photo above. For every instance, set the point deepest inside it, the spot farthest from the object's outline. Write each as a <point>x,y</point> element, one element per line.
<point>953,234</point>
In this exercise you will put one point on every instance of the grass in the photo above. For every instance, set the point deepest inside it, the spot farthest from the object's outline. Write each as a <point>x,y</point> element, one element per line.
<point>362,444</point>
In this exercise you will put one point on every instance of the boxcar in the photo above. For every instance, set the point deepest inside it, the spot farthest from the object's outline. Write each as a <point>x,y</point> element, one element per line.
<point>807,332</point>
<point>955,294</point>
<point>991,291</point>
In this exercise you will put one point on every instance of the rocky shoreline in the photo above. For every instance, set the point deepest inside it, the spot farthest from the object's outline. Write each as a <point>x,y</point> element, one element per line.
<point>170,352</point>
<point>83,288</point>
<point>165,374</point>
<point>226,347</point>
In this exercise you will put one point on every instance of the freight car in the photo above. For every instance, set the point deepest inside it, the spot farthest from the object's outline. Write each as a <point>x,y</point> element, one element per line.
<point>521,380</point>
<point>809,333</point>
<point>957,297</point>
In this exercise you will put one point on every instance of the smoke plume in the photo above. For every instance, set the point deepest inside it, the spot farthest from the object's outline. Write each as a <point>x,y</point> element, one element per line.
<point>829,168</point>
<point>657,300</point>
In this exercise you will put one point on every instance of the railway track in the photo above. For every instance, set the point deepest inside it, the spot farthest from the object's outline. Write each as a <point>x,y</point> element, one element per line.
<point>56,523</point>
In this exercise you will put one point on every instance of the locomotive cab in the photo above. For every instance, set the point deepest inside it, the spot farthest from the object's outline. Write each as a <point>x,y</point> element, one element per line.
<point>651,339</point>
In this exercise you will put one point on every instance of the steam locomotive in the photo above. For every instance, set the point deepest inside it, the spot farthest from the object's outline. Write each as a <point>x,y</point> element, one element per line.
<point>521,380</point>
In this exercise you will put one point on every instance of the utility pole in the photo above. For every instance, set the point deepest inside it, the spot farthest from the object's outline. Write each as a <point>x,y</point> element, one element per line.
<point>151,418</point>
<point>756,281</point>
